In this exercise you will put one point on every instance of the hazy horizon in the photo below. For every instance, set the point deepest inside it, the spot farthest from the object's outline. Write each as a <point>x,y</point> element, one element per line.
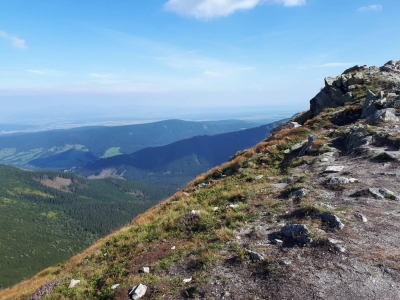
<point>173,58</point>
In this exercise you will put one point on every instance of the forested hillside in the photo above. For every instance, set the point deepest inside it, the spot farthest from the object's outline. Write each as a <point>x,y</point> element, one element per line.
<point>176,164</point>
<point>63,149</point>
<point>47,217</point>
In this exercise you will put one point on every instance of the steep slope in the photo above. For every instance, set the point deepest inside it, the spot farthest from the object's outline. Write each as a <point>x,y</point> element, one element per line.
<point>46,218</point>
<point>63,149</point>
<point>310,213</point>
<point>176,164</point>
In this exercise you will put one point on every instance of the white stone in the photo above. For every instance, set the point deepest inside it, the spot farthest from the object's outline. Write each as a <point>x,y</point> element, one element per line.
<point>145,270</point>
<point>173,248</point>
<point>187,280</point>
<point>334,169</point>
<point>114,286</point>
<point>137,292</point>
<point>215,208</point>
<point>73,283</point>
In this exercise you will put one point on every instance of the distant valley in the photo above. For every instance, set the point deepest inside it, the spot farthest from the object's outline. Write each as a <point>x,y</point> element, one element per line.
<point>176,164</point>
<point>63,149</point>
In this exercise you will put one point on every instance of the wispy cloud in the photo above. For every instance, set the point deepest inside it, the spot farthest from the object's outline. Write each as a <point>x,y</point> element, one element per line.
<point>212,74</point>
<point>106,78</point>
<point>208,9</point>
<point>326,65</point>
<point>373,7</point>
<point>38,72</point>
<point>264,35</point>
<point>16,42</point>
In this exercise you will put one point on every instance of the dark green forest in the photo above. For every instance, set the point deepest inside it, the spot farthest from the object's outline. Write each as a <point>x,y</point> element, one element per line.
<point>46,217</point>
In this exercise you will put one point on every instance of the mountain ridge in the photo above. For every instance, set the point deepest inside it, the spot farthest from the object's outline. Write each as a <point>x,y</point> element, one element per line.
<point>312,212</point>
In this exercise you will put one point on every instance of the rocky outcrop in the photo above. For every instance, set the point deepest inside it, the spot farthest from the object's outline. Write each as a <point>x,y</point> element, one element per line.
<point>287,125</point>
<point>391,66</point>
<point>340,90</point>
<point>383,115</point>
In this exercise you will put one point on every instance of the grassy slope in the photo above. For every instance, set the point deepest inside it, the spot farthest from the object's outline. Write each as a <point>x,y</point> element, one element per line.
<point>43,226</point>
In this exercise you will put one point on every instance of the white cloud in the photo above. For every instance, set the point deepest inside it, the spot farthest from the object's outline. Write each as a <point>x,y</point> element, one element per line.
<point>207,9</point>
<point>39,72</point>
<point>16,42</point>
<point>373,7</point>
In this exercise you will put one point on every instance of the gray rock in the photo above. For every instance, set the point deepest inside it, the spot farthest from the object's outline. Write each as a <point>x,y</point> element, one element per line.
<point>294,230</point>
<point>304,239</point>
<point>137,292</point>
<point>307,148</point>
<point>285,263</point>
<point>259,177</point>
<point>341,180</point>
<point>340,249</point>
<point>361,217</point>
<point>114,286</point>
<point>297,146</point>
<point>381,193</point>
<point>358,136</point>
<point>331,95</point>
<point>383,115</point>
<point>332,219</point>
<point>299,193</point>
<point>334,169</point>
<point>369,105</point>
<point>254,255</point>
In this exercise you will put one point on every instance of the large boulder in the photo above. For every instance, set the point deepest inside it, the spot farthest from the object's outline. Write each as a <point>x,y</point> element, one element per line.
<point>137,292</point>
<point>358,136</point>
<point>334,94</point>
<point>383,115</point>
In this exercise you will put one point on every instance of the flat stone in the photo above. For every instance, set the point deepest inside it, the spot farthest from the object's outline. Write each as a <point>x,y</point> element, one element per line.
<point>187,280</point>
<point>285,263</point>
<point>341,180</point>
<point>334,169</point>
<point>137,292</point>
<point>259,177</point>
<point>114,286</point>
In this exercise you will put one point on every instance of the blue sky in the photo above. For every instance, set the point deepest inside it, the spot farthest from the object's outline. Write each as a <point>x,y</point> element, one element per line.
<point>186,53</point>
